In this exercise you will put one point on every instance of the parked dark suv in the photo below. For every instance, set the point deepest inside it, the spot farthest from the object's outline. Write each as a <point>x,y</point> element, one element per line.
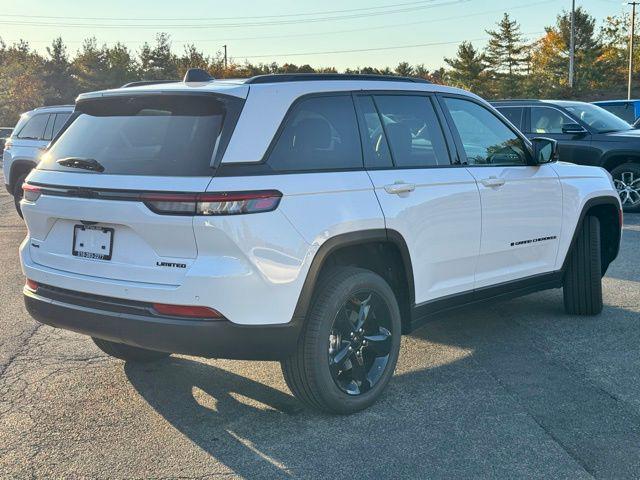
<point>587,135</point>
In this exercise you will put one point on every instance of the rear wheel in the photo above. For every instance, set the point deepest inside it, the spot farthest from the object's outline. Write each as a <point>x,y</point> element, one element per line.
<point>583,279</point>
<point>627,180</point>
<point>350,344</point>
<point>127,352</point>
<point>17,193</point>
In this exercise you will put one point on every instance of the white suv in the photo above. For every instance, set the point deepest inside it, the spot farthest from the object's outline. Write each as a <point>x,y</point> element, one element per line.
<point>29,139</point>
<point>309,219</point>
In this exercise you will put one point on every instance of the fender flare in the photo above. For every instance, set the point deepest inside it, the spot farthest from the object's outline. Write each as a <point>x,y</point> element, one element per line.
<point>589,204</point>
<point>17,165</point>
<point>346,240</point>
<point>633,156</point>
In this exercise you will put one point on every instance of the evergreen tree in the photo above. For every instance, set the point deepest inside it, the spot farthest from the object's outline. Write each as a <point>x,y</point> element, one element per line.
<point>91,66</point>
<point>550,59</point>
<point>468,69</point>
<point>60,85</point>
<point>21,81</point>
<point>192,58</point>
<point>159,62</point>
<point>404,69</point>
<point>122,66</point>
<point>506,56</point>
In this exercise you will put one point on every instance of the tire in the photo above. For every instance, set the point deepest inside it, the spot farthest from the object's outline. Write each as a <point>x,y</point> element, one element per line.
<point>308,372</point>
<point>127,352</point>
<point>17,193</point>
<point>583,278</point>
<point>627,180</point>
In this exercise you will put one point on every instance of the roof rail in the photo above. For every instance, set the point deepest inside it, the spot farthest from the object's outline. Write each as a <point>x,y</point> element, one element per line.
<point>146,82</point>
<point>55,106</point>
<point>514,100</point>
<point>301,77</point>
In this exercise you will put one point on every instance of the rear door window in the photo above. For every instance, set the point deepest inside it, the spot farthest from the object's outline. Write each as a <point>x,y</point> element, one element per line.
<point>413,130</point>
<point>61,118</point>
<point>163,135</point>
<point>320,133</point>
<point>514,115</point>
<point>48,131</point>
<point>34,128</point>
<point>374,141</point>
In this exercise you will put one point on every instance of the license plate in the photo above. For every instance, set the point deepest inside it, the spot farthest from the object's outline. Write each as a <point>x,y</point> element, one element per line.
<point>94,242</point>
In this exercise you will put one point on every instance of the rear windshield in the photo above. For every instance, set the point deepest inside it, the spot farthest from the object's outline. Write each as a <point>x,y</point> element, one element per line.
<point>163,135</point>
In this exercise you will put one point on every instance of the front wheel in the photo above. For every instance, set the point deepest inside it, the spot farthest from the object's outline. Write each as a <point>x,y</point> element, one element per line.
<point>582,289</point>
<point>350,344</point>
<point>626,178</point>
<point>127,352</point>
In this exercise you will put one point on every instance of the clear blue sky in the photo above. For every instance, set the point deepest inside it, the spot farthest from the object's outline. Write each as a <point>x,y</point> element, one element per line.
<point>287,29</point>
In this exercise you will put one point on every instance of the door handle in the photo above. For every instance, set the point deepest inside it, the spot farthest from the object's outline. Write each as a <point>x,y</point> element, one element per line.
<point>399,188</point>
<point>492,182</point>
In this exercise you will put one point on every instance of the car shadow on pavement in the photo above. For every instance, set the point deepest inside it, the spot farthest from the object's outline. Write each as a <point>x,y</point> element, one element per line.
<point>204,402</point>
<point>625,266</point>
<point>501,390</point>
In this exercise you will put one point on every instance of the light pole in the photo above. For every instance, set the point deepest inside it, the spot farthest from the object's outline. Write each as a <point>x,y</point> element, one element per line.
<point>633,32</point>
<point>225,57</point>
<point>572,43</point>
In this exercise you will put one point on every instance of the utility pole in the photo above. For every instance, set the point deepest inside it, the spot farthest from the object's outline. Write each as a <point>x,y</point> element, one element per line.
<point>633,33</point>
<point>225,57</point>
<point>572,43</point>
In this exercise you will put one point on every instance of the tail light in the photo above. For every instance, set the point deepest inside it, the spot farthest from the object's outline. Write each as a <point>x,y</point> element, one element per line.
<point>31,285</point>
<point>188,311</point>
<point>208,204</point>
<point>30,193</point>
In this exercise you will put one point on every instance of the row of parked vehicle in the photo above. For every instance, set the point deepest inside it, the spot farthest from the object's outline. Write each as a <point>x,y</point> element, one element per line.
<point>25,143</point>
<point>307,219</point>
<point>586,135</point>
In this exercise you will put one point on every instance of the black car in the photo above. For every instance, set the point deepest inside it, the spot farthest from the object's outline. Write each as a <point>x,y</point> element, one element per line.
<point>587,135</point>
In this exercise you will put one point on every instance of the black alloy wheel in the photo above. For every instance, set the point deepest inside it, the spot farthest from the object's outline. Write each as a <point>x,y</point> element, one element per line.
<point>349,346</point>
<point>360,343</point>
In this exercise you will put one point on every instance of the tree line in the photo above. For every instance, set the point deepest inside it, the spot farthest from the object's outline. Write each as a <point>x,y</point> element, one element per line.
<point>508,67</point>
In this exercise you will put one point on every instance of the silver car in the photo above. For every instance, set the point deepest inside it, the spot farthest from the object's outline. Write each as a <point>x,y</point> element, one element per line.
<point>30,137</point>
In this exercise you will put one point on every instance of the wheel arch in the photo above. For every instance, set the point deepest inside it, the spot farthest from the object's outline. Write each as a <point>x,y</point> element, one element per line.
<point>617,158</point>
<point>607,209</point>
<point>383,251</point>
<point>19,167</point>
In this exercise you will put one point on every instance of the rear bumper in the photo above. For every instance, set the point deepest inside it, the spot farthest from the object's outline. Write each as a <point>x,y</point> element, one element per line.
<point>130,323</point>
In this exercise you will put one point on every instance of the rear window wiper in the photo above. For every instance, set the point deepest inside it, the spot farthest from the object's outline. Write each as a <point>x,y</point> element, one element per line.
<point>83,163</point>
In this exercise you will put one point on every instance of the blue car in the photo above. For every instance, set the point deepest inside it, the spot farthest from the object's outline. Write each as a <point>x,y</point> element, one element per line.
<point>628,110</point>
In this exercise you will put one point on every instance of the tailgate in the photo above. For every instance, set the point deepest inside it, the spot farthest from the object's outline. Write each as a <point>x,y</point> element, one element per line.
<point>110,238</point>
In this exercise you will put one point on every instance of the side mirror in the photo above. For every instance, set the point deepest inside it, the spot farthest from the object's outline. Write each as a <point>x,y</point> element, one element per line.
<point>545,150</point>
<point>573,129</point>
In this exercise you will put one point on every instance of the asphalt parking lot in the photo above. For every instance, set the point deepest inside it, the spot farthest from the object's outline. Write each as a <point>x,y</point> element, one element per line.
<point>511,390</point>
